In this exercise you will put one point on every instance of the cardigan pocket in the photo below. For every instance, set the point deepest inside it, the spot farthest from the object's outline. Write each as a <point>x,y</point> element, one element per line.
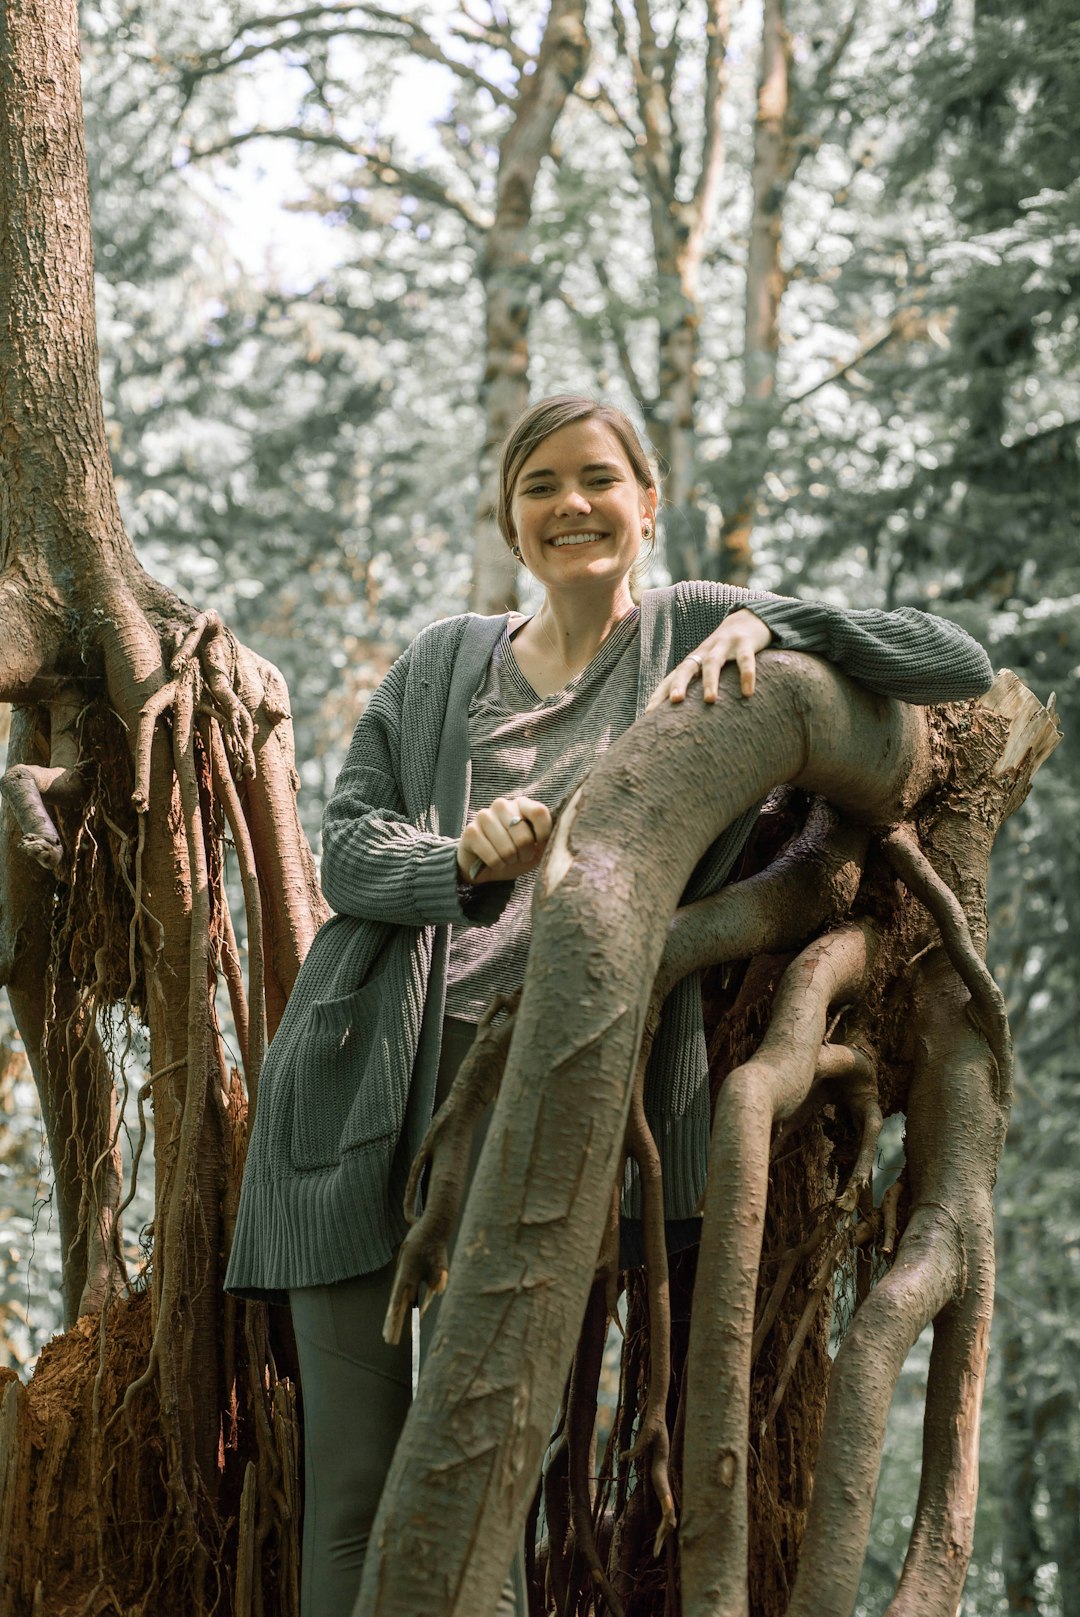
<point>349,1104</point>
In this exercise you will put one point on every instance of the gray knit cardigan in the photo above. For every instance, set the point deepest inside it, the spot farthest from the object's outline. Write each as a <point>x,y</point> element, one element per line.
<point>346,1091</point>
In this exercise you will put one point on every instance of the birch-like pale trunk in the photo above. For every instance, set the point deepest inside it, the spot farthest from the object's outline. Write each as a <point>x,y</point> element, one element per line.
<point>679,231</point>
<point>507,278</point>
<point>766,279</point>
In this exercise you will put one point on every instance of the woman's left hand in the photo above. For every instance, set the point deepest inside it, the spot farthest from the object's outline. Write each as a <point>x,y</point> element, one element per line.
<point>738,639</point>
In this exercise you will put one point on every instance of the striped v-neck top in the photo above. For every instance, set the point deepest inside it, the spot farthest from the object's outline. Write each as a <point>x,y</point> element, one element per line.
<point>537,746</point>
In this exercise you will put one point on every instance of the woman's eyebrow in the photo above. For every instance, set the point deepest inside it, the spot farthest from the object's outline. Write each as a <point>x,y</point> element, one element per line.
<point>593,466</point>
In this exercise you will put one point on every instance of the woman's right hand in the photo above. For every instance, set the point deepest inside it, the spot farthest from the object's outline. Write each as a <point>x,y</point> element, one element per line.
<point>504,840</point>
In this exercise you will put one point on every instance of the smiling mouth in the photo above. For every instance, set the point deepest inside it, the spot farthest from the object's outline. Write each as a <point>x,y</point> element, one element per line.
<point>576,539</point>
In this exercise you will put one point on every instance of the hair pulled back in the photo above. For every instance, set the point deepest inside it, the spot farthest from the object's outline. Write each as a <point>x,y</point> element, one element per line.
<point>538,422</point>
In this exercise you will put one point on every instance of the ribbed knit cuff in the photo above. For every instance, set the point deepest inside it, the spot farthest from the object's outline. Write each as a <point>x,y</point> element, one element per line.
<point>440,894</point>
<point>435,884</point>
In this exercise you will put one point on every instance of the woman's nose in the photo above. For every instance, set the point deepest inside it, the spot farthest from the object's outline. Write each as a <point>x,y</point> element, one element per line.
<point>574,500</point>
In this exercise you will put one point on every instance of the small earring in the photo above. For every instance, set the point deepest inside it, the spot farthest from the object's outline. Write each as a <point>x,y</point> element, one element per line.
<point>646,530</point>
<point>515,552</point>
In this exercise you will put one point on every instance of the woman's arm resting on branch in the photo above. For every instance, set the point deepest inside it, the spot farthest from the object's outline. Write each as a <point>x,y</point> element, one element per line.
<point>738,639</point>
<point>906,654</point>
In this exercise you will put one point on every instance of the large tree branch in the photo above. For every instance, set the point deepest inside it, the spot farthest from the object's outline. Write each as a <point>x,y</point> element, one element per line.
<point>321,24</point>
<point>500,39</point>
<point>381,168</point>
<point>811,882</point>
<point>715,1531</point>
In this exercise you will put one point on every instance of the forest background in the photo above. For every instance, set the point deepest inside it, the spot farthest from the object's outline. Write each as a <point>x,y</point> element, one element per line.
<point>828,256</point>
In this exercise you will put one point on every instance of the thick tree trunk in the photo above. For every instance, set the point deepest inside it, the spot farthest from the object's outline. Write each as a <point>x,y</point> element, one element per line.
<point>112,902</point>
<point>507,278</point>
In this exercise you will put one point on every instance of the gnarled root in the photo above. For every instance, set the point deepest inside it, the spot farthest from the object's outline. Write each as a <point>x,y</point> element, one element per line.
<point>943,1272</point>
<point>812,882</point>
<point>845,1075</point>
<point>229,965</point>
<point>70,1068</point>
<point>255,1017</point>
<point>714,1537</point>
<point>925,1276</point>
<point>935,1567</point>
<point>652,1437</point>
<point>901,848</point>
<point>423,1264</point>
<point>29,789</point>
<point>204,657</point>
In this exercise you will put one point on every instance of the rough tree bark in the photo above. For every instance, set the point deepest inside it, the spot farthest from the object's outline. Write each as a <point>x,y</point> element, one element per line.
<point>142,734</point>
<point>902,977</point>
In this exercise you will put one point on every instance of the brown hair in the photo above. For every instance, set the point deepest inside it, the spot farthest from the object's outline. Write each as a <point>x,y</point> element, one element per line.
<point>539,422</point>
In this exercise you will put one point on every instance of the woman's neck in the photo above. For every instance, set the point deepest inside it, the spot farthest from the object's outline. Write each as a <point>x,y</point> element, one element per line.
<point>576,626</point>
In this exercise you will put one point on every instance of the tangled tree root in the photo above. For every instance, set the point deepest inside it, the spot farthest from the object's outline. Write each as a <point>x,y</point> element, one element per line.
<point>824,1041</point>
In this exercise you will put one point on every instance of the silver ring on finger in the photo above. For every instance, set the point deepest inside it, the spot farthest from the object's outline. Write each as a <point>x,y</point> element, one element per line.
<point>519,819</point>
<point>692,657</point>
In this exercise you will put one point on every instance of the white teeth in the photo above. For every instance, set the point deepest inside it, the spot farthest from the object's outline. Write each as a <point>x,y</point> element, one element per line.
<point>576,538</point>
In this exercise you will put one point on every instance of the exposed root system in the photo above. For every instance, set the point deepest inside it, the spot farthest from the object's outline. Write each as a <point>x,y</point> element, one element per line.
<point>834,997</point>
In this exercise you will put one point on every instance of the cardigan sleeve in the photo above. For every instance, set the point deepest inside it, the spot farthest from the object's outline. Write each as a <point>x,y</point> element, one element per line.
<point>377,863</point>
<point>908,654</point>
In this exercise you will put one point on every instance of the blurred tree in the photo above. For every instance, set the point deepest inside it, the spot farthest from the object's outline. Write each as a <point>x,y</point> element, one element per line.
<point>943,455</point>
<point>494,203</point>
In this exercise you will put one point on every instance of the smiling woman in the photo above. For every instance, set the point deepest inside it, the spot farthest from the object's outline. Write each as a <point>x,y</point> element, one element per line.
<point>431,842</point>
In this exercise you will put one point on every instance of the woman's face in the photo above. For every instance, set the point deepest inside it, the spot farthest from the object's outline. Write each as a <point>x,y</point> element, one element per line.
<point>578,509</point>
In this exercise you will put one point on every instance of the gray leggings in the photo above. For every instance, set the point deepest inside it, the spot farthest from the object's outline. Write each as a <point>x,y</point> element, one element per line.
<point>357,1392</point>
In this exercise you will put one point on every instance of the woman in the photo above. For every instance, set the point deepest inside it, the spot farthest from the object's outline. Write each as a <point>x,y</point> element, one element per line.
<point>430,844</point>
